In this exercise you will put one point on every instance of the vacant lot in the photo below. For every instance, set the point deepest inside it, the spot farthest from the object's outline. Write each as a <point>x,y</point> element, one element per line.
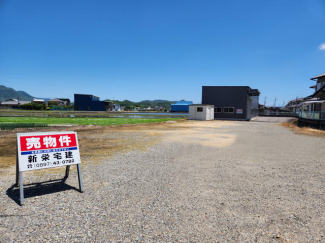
<point>215,181</point>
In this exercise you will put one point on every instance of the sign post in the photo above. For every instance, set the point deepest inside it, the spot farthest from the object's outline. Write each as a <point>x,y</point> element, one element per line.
<point>46,150</point>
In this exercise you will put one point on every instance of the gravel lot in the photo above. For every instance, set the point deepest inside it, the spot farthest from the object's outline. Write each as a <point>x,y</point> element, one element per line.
<point>215,181</point>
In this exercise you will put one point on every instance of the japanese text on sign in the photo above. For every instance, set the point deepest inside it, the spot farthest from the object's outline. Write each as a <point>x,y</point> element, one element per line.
<point>46,150</point>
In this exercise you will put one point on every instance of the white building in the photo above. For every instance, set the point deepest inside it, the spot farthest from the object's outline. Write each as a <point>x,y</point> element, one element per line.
<point>38,101</point>
<point>201,112</point>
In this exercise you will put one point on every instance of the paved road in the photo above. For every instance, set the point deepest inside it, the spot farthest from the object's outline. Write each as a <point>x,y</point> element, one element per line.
<point>212,181</point>
<point>274,119</point>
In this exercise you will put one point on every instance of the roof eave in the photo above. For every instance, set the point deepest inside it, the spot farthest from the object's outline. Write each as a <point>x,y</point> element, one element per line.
<point>318,76</point>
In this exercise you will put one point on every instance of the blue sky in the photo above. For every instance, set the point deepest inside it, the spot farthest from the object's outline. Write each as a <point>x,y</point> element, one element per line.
<point>166,49</point>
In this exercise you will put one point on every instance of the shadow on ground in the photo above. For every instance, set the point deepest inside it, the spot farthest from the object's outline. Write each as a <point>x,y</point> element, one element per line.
<point>39,189</point>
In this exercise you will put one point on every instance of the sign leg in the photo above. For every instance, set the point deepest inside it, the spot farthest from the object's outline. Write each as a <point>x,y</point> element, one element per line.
<point>21,188</point>
<point>67,170</point>
<point>17,168</point>
<point>80,178</point>
<point>17,174</point>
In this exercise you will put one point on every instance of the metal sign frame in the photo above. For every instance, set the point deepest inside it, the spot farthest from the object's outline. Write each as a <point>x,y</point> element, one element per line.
<point>19,173</point>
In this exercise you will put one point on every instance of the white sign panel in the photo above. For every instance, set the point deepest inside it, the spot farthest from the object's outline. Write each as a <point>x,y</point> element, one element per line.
<point>47,150</point>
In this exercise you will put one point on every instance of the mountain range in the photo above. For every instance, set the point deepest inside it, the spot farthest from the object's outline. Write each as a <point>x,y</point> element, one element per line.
<point>9,93</point>
<point>145,103</point>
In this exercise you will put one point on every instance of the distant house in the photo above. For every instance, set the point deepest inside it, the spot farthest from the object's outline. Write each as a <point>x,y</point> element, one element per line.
<point>67,101</point>
<point>320,86</point>
<point>232,102</point>
<point>38,101</point>
<point>113,107</point>
<point>116,107</point>
<point>181,106</point>
<point>312,112</point>
<point>13,103</point>
<point>58,101</point>
<point>86,102</point>
<point>294,105</point>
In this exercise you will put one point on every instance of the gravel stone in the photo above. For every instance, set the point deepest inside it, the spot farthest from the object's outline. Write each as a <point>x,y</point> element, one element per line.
<point>266,186</point>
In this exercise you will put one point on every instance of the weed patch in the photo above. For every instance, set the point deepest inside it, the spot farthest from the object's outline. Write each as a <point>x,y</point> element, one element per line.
<point>303,130</point>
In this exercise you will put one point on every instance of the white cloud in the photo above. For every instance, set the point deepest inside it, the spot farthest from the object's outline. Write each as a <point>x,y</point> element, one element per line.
<point>322,47</point>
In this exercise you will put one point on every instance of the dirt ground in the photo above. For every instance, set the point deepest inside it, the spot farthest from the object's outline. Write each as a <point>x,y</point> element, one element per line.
<point>190,181</point>
<point>98,142</point>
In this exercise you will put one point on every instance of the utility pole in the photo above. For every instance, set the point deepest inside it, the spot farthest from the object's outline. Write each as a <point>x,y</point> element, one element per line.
<point>274,102</point>
<point>264,101</point>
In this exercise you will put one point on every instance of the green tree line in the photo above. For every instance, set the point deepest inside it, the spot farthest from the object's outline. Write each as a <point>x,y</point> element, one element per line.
<point>143,104</point>
<point>49,106</point>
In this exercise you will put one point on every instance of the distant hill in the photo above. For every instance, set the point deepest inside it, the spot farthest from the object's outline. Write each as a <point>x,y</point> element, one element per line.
<point>25,94</point>
<point>145,103</point>
<point>9,93</point>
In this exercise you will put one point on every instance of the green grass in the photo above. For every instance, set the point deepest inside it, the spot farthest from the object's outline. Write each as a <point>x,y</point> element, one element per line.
<point>82,121</point>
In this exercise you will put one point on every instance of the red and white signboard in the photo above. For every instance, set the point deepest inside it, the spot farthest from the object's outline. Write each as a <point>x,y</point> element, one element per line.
<point>239,111</point>
<point>47,150</point>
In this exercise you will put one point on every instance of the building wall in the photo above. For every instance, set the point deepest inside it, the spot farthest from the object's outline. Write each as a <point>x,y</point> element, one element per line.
<point>249,108</point>
<point>320,83</point>
<point>88,103</point>
<point>209,113</point>
<point>180,108</point>
<point>254,106</point>
<point>255,100</point>
<point>206,114</point>
<point>227,96</point>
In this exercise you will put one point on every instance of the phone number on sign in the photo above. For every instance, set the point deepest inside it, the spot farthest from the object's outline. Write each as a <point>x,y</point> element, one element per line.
<point>47,164</point>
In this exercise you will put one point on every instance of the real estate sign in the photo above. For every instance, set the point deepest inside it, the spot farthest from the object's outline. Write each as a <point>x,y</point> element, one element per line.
<point>47,150</point>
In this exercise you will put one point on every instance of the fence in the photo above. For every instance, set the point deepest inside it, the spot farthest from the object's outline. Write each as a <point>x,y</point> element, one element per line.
<point>278,113</point>
<point>313,115</point>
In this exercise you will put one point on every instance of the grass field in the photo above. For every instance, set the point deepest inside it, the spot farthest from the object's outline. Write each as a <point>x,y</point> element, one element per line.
<point>86,114</point>
<point>82,121</point>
